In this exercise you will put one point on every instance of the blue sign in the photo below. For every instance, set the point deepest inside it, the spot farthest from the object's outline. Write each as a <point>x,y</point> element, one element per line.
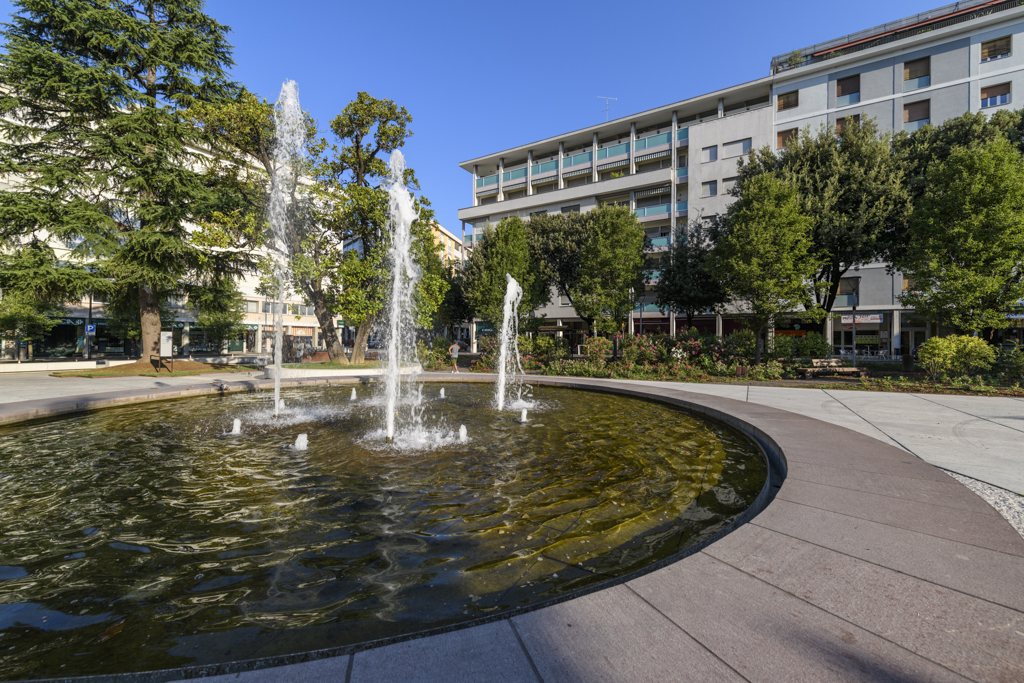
<point>90,329</point>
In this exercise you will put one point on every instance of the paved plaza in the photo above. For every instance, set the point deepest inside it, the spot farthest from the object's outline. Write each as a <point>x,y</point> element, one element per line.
<point>866,564</point>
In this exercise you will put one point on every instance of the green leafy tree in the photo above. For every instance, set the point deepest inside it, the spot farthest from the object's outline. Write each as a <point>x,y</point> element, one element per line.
<point>25,318</point>
<point>92,128</point>
<point>504,249</point>
<point>615,275</point>
<point>454,310</point>
<point>850,187</point>
<point>220,310</point>
<point>765,258</point>
<point>966,238</point>
<point>687,284</point>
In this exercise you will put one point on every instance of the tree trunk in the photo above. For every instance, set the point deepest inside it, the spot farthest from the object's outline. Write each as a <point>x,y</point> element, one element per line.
<point>329,331</point>
<point>689,319</point>
<point>149,314</point>
<point>757,346</point>
<point>359,344</point>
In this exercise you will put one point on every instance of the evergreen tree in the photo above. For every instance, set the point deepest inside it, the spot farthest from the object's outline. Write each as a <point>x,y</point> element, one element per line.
<point>93,132</point>
<point>687,284</point>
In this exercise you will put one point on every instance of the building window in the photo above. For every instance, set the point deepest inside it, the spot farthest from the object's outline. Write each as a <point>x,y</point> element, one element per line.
<point>735,149</point>
<point>916,115</point>
<point>785,137</point>
<point>252,306</point>
<point>563,300</point>
<point>995,95</point>
<point>709,189</point>
<point>995,49</point>
<point>848,91</point>
<point>575,208</point>
<point>849,286</point>
<point>917,74</point>
<point>729,183</point>
<point>789,100</point>
<point>845,121</point>
<point>709,154</point>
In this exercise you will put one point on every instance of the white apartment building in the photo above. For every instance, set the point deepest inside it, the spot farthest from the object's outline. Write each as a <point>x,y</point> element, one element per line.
<point>677,162</point>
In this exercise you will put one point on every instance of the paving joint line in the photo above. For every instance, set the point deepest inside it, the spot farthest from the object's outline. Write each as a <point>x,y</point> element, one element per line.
<point>348,669</point>
<point>913,531</point>
<point>529,659</point>
<point>882,566</point>
<point>685,632</point>
<point>841,618</point>
<point>964,412</point>
<point>909,500</point>
<point>889,436</point>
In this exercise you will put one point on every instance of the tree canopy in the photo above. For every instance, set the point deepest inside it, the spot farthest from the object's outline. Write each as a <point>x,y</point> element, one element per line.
<point>687,283</point>
<point>505,249</point>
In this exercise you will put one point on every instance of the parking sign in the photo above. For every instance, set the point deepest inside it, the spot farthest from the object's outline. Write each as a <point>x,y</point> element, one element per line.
<point>90,329</point>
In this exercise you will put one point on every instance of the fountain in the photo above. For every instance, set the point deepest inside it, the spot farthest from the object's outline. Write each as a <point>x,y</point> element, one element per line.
<point>442,392</point>
<point>301,442</point>
<point>405,274</point>
<point>236,426</point>
<point>522,418</point>
<point>290,132</point>
<point>508,358</point>
<point>353,396</point>
<point>463,434</point>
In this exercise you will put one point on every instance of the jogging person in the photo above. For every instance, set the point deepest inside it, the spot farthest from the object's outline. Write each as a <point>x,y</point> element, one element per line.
<point>453,350</point>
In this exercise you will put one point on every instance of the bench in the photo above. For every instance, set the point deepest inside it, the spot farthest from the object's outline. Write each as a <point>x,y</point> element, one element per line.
<point>829,366</point>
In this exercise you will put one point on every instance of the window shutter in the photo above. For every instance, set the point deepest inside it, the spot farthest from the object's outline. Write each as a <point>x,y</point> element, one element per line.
<point>995,90</point>
<point>919,68</point>
<point>848,86</point>
<point>789,100</point>
<point>918,111</point>
<point>784,137</point>
<point>841,123</point>
<point>995,48</point>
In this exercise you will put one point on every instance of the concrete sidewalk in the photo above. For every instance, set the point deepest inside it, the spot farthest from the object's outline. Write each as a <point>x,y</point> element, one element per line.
<point>977,436</point>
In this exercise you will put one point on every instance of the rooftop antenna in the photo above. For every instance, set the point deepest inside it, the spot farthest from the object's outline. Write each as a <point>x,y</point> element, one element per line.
<point>607,104</point>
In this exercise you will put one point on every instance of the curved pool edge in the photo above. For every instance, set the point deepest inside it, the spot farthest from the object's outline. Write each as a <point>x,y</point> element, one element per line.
<point>913,551</point>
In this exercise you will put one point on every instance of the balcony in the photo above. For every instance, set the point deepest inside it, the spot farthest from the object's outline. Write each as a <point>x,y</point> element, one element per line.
<point>613,151</point>
<point>653,275</point>
<point>577,159</point>
<point>659,242</point>
<point>647,308</point>
<point>682,137</point>
<point>995,101</point>
<point>845,300</point>
<point>681,207</point>
<point>917,83</point>
<point>911,126</point>
<point>546,167</point>
<point>510,176</point>
<point>657,210</point>
<point>486,181</point>
<point>847,100</point>
<point>652,141</point>
<point>683,172</point>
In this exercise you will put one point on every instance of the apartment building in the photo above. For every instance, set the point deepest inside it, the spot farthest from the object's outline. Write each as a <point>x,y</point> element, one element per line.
<point>677,162</point>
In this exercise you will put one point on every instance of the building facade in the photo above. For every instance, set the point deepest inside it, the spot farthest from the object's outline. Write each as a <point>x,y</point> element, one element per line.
<point>678,162</point>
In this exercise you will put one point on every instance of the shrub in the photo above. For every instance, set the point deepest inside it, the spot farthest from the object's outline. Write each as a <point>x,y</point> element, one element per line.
<point>956,356</point>
<point>766,371</point>
<point>597,349</point>
<point>639,349</point>
<point>814,345</point>
<point>434,356</point>
<point>1011,361</point>
<point>740,345</point>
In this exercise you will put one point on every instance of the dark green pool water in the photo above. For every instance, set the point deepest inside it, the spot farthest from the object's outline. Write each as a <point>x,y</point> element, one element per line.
<point>145,537</point>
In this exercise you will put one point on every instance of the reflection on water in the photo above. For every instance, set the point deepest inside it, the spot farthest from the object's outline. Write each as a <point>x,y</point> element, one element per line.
<point>149,537</point>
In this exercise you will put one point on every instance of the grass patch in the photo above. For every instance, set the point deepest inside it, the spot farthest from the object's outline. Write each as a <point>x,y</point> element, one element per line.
<point>328,365</point>
<point>182,368</point>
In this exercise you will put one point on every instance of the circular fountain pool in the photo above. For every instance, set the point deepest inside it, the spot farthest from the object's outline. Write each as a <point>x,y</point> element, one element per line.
<point>148,537</point>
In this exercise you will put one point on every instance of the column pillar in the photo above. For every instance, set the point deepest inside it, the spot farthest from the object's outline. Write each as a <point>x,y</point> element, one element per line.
<point>593,160</point>
<point>718,325</point>
<point>828,329</point>
<point>721,107</point>
<point>472,336</point>
<point>895,336</point>
<point>559,334</point>
<point>186,348</point>
<point>632,144</point>
<point>475,176</point>
<point>501,172</point>
<point>561,153</point>
<point>672,206</point>
<point>671,322</point>
<point>529,173</point>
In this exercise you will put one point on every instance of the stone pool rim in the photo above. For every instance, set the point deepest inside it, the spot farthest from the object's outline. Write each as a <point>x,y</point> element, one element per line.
<point>767,447</point>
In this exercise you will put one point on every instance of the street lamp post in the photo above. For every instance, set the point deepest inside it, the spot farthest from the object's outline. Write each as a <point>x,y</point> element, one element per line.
<point>854,336</point>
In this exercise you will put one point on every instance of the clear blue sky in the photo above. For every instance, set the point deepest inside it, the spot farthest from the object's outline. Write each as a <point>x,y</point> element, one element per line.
<point>478,77</point>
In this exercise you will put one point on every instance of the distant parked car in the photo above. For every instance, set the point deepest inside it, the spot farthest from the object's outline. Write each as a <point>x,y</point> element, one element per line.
<point>463,346</point>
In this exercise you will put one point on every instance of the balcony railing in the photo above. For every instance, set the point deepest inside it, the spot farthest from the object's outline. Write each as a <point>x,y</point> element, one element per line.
<point>653,210</point>
<point>613,151</point>
<point>847,100</point>
<point>537,169</point>
<point>487,180</point>
<point>845,300</point>
<point>917,83</point>
<point>578,159</point>
<point>509,176</point>
<point>659,242</point>
<point>653,274</point>
<point>911,126</point>
<point>647,308</point>
<point>682,172</point>
<point>681,206</point>
<point>652,141</point>
<point>995,101</point>
<point>683,134</point>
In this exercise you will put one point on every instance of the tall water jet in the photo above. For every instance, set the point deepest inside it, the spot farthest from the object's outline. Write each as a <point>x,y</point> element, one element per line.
<point>236,426</point>
<point>290,131</point>
<point>301,442</point>
<point>353,396</point>
<point>522,417</point>
<point>508,359</point>
<point>442,392</point>
<point>463,434</point>
<point>405,275</point>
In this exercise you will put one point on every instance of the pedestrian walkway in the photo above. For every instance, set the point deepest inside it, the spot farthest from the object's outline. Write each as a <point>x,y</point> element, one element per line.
<point>979,437</point>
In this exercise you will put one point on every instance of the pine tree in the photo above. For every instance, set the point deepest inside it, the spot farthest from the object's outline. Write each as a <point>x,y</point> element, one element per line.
<point>104,162</point>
